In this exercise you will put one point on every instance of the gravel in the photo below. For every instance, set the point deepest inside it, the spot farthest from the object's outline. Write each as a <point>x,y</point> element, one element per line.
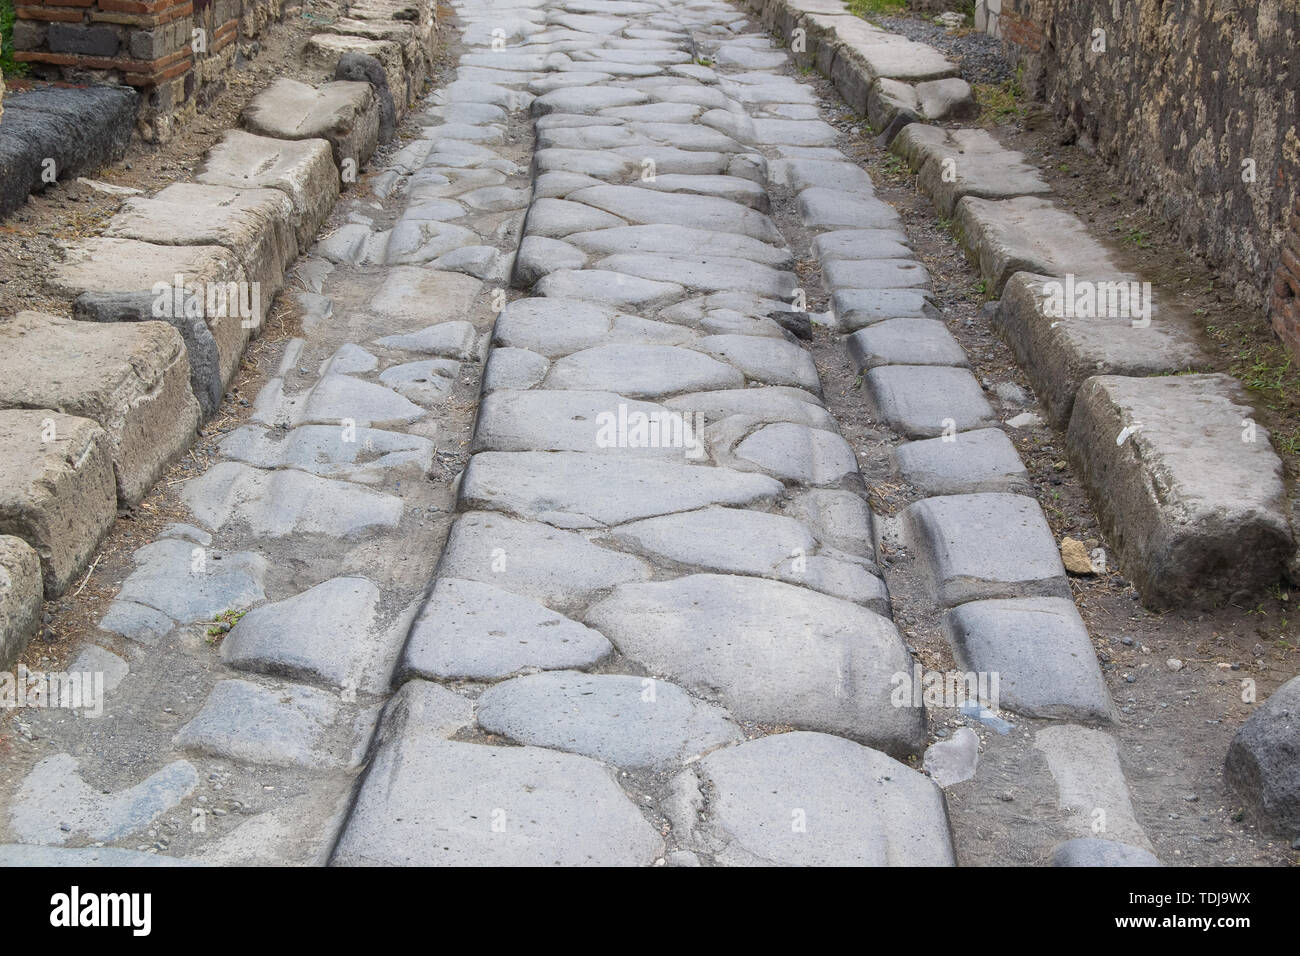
<point>977,54</point>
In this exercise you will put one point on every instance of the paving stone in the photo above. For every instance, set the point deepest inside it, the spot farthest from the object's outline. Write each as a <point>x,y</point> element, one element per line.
<point>612,288</point>
<point>769,651</point>
<point>130,378</point>
<point>821,208</point>
<point>140,623</point>
<point>644,207</point>
<point>1059,352</point>
<point>795,132</point>
<point>124,271</point>
<point>303,170</point>
<point>585,99</point>
<point>289,725</point>
<point>1085,764</point>
<point>21,593</point>
<point>414,241</point>
<point>513,368</point>
<point>1193,508</point>
<point>856,308</point>
<point>409,296</point>
<point>189,583</point>
<point>774,403</point>
<point>346,114</point>
<point>422,382</point>
<point>1029,234</point>
<point>348,359</point>
<point>57,490</point>
<point>734,54</point>
<point>796,453</point>
<point>329,633</point>
<point>481,262</point>
<point>557,218</point>
<point>325,51</point>
<point>954,163</point>
<point>664,238</point>
<point>539,255</point>
<point>574,490</point>
<point>858,807</point>
<point>874,273</point>
<point>924,401</point>
<point>254,224</point>
<point>54,804</point>
<point>972,462</point>
<point>629,722</point>
<point>839,518</point>
<point>92,659</point>
<point>366,455</point>
<point>641,371</point>
<point>1263,762</point>
<point>436,802</point>
<point>654,113</point>
<point>703,273</point>
<point>905,342</point>
<point>1097,851</point>
<point>953,761</point>
<point>986,546</point>
<point>470,630</point>
<point>584,421</point>
<point>560,569</point>
<point>287,502</point>
<point>1040,650</point>
<point>336,400</point>
<point>861,244</point>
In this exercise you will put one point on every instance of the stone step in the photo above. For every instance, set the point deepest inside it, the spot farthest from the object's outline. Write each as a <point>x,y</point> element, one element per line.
<point>954,163</point>
<point>21,594</point>
<point>1188,489</point>
<point>343,113</point>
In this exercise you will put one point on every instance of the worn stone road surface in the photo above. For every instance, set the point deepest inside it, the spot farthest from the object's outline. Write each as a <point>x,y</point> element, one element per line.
<point>657,631</point>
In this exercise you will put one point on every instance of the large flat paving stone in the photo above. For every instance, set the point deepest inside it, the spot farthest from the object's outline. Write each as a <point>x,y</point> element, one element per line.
<point>1040,650</point>
<point>769,652</point>
<point>1060,351</point>
<point>1029,234</point>
<point>861,244</point>
<point>772,403</point>
<point>971,462</point>
<point>1098,851</point>
<point>287,502</point>
<point>986,546</point>
<point>560,569</point>
<point>905,342</point>
<point>667,238</point>
<point>254,224</point>
<point>810,799</point>
<point>469,630</point>
<point>1085,763</point>
<point>365,455</point>
<point>183,583</point>
<point>57,490</point>
<point>556,327</point>
<point>573,490</point>
<point>823,208</point>
<point>922,401</point>
<point>21,593</point>
<point>641,371</point>
<point>702,273</point>
<point>766,360</point>
<point>954,163</point>
<point>620,289</point>
<point>288,725</point>
<point>131,378</point>
<point>303,170</point>
<point>645,207</point>
<point>344,113</point>
<point>1189,491</point>
<point>629,722</point>
<point>330,633</point>
<point>797,453</point>
<point>335,399</point>
<point>856,308</point>
<point>433,802</point>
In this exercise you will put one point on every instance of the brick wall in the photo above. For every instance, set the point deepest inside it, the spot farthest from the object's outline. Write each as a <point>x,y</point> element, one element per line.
<point>175,51</point>
<point>1196,103</point>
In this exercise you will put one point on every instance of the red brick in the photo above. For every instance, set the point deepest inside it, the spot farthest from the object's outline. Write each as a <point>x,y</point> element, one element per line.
<point>63,16</point>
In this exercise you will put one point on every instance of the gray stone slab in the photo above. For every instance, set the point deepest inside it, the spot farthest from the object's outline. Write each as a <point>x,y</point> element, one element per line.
<point>923,401</point>
<point>557,218</point>
<point>822,208</point>
<point>629,722</point>
<point>986,546</point>
<point>287,502</point>
<point>21,594</point>
<point>448,339</point>
<point>645,207</point>
<point>189,583</point>
<point>425,383</point>
<point>539,256</point>
<point>436,802</point>
<point>767,360</point>
<point>366,455</point>
<point>136,621</point>
<point>861,244</point>
<point>664,238</point>
<point>611,288</point>
<point>1097,851</point>
<point>1040,650</point>
<point>952,163</point>
<point>335,400</point>
<point>289,725</point>
<point>573,490</point>
<point>971,462</point>
<point>513,368</point>
<point>799,454</point>
<point>769,651</point>
<point>558,568</point>
<point>470,630</point>
<point>556,326</point>
<point>642,371</point>
<point>905,342</point>
<point>874,273</point>
<point>809,799</point>
<point>93,659</point>
<point>1188,489</point>
<point>773,403</point>
<point>856,308</point>
<point>1263,762</point>
<point>800,174</point>
<point>1059,352</point>
<point>703,273</point>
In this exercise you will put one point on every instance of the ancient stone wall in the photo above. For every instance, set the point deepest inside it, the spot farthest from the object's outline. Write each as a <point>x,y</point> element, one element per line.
<point>1197,104</point>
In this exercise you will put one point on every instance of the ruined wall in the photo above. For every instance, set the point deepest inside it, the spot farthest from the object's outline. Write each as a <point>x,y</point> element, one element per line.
<point>1197,104</point>
<point>175,51</point>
